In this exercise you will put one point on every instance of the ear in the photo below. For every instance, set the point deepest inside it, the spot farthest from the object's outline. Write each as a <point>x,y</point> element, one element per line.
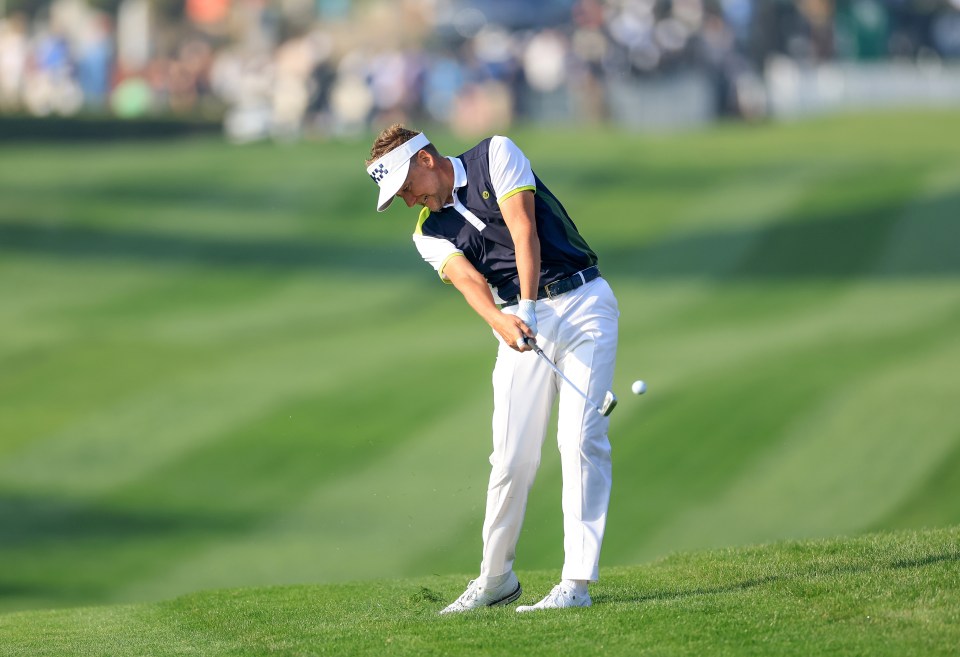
<point>425,159</point>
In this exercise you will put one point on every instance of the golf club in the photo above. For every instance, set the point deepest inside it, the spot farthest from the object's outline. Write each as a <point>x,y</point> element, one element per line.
<point>609,400</point>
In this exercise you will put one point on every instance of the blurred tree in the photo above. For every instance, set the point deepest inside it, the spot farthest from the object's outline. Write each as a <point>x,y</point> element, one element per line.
<point>171,9</point>
<point>28,7</point>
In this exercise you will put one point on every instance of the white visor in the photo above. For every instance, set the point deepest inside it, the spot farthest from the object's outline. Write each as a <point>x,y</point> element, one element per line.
<point>391,170</point>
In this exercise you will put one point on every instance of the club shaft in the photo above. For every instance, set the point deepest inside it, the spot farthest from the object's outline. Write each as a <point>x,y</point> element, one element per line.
<point>563,376</point>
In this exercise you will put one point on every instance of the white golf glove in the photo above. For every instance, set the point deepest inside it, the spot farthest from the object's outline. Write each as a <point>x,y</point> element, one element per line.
<point>527,312</point>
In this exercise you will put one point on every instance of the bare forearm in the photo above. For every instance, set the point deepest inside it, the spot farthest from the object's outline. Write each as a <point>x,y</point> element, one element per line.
<point>527,249</point>
<point>475,290</point>
<point>477,294</point>
<point>519,215</point>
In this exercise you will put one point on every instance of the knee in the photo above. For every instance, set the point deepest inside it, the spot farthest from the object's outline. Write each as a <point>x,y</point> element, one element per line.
<point>596,451</point>
<point>506,472</point>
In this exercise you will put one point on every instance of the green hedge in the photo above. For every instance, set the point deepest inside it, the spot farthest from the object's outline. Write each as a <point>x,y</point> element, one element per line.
<point>88,128</point>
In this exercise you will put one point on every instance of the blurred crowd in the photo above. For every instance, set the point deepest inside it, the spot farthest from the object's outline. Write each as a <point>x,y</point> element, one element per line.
<point>285,68</point>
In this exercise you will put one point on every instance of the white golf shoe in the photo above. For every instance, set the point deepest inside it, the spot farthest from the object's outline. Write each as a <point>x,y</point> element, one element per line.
<point>561,597</point>
<point>477,596</point>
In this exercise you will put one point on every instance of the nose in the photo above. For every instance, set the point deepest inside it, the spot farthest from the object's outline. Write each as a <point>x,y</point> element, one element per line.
<point>409,199</point>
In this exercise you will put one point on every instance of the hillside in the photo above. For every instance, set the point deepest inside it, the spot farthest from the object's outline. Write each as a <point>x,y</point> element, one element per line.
<point>895,594</point>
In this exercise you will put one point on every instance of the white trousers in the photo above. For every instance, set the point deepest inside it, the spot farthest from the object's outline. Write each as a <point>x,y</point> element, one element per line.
<point>578,331</point>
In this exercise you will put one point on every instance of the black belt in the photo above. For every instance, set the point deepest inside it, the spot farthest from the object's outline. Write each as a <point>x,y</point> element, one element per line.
<point>564,285</point>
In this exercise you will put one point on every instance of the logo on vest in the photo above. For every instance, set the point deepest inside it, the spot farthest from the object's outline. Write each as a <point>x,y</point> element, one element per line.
<point>485,195</point>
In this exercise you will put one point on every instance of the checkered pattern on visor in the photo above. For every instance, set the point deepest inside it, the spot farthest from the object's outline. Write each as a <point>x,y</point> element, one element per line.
<point>379,173</point>
<point>396,158</point>
<point>390,171</point>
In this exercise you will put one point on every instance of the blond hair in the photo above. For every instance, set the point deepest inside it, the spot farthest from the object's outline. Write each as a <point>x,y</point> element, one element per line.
<point>392,137</point>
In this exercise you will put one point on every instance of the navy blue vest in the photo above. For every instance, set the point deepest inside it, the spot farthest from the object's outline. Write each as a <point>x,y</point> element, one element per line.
<point>563,251</point>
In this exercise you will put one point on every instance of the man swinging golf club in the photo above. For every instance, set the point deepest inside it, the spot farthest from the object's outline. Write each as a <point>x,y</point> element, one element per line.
<point>491,228</point>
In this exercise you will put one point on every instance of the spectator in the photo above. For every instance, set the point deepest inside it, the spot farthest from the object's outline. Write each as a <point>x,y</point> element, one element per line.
<point>412,61</point>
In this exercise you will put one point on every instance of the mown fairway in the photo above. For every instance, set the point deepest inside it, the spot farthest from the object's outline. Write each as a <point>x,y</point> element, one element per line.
<point>219,367</point>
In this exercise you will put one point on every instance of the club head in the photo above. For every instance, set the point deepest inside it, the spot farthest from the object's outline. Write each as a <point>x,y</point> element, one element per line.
<point>609,403</point>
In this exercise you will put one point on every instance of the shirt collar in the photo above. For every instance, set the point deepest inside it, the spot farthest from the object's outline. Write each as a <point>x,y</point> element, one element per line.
<point>459,176</point>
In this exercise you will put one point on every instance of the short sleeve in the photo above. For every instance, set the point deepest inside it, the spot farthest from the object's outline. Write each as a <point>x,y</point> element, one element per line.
<point>437,251</point>
<point>510,170</point>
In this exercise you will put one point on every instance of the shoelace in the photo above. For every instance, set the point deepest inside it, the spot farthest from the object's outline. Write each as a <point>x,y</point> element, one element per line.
<point>470,594</point>
<point>556,594</point>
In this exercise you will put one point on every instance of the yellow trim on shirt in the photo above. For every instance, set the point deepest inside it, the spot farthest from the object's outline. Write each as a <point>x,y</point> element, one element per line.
<point>442,266</point>
<point>424,213</point>
<point>528,188</point>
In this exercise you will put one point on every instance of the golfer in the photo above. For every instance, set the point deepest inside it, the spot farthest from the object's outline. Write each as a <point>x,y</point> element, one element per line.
<point>491,228</point>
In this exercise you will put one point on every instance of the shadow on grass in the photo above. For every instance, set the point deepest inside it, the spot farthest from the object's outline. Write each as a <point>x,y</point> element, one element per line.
<point>56,552</point>
<point>872,240</point>
<point>679,595</point>
<point>925,561</point>
<point>867,240</point>
<point>8,590</point>
<point>106,245</point>
<point>27,521</point>
<point>736,587</point>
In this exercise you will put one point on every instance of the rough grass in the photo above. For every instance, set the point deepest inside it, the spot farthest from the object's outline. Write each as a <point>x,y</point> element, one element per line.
<point>895,594</point>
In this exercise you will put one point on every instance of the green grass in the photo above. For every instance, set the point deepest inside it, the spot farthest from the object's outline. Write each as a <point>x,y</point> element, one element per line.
<point>219,368</point>
<point>895,594</point>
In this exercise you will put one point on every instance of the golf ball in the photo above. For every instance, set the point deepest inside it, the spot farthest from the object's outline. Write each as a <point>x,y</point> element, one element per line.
<point>639,387</point>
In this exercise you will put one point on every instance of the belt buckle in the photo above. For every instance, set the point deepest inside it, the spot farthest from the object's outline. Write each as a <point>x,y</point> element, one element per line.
<point>548,288</point>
